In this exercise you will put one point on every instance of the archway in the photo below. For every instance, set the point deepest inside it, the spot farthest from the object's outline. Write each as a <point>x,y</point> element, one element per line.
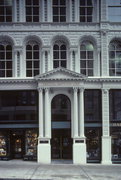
<point>61,143</point>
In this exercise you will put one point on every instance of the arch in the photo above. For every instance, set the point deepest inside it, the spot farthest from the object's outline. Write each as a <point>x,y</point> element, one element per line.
<point>116,38</point>
<point>32,38</point>
<point>90,39</point>
<point>61,38</point>
<point>7,38</point>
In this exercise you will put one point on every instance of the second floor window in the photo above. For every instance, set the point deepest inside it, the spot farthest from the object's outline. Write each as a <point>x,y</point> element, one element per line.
<point>5,60</point>
<point>86,58</point>
<point>5,10</point>
<point>32,10</point>
<point>86,11</point>
<point>114,10</point>
<point>59,10</point>
<point>115,58</point>
<point>59,55</point>
<point>32,59</point>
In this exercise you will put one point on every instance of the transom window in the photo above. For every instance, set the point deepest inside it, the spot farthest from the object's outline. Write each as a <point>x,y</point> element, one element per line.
<point>86,11</point>
<point>86,58</point>
<point>5,60</point>
<point>32,10</point>
<point>5,10</point>
<point>59,55</point>
<point>114,10</point>
<point>59,10</point>
<point>115,58</point>
<point>32,59</point>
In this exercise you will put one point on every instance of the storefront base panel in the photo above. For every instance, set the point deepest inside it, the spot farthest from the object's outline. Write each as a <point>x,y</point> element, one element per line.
<point>44,153</point>
<point>79,148</point>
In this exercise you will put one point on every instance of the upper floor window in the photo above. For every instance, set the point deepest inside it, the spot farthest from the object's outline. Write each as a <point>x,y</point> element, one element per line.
<point>5,10</point>
<point>86,11</point>
<point>59,54</point>
<point>32,59</point>
<point>59,10</point>
<point>114,10</point>
<point>86,58</point>
<point>115,58</point>
<point>5,60</point>
<point>32,10</point>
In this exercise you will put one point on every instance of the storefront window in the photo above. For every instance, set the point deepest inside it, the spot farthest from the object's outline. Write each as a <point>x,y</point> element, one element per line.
<point>3,145</point>
<point>31,143</point>
<point>93,140</point>
<point>116,144</point>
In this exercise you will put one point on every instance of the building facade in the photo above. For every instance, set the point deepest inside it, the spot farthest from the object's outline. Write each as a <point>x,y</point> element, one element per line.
<point>60,80</point>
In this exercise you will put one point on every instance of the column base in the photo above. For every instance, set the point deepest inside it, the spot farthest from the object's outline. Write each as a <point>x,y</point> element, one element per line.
<point>79,151</point>
<point>44,152</point>
<point>106,150</point>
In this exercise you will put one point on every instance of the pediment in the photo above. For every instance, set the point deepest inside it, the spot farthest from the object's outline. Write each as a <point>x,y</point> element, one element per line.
<point>60,74</point>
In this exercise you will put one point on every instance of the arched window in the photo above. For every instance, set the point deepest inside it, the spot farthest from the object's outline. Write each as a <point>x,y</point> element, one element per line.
<point>32,59</point>
<point>59,54</point>
<point>115,58</point>
<point>86,58</point>
<point>5,60</point>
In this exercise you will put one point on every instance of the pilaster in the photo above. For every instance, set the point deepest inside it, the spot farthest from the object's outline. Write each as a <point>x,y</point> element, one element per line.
<point>75,118</point>
<point>106,139</point>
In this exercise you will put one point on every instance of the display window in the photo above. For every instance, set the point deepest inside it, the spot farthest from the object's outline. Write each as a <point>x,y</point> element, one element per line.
<point>3,145</point>
<point>93,141</point>
<point>31,143</point>
<point>116,144</point>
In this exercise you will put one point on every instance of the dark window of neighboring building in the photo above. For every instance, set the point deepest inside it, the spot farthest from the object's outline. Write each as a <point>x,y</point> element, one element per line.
<point>59,10</point>
<point>86,11</point>
<point>86,58</point>
<point>114,10</point>
<point>92,105</point>
<point>5,60</point>
<point>32,59</point>
<point>5,10</point>
<point>115,105</point>
<point>18,106</point>
<point>59,55</point>
<point>115,58</point>
<point>32,10</point>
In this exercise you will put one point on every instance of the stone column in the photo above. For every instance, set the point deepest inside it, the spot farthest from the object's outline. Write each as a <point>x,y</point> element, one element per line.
<point>43,141</point>
<point>15,64</point>
<point>79,143</point>
<point>75,117</point>
<point>106,138</point>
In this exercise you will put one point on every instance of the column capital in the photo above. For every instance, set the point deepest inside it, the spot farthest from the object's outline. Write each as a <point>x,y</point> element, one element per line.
<point>40,89</point>
<point>47,89</point>
<point>105,90</point>
<point>81,89</point>
<point>75,89</point>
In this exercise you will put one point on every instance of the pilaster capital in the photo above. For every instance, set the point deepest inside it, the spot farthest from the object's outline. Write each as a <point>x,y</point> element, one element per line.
<point>46,49</point>
<point>75,89</point>
<point>105,90</point>
<point>18,49</point>
<point>47,89</point>
<point>73,49</point>
<point>81,89</point>
<point>40,89</point>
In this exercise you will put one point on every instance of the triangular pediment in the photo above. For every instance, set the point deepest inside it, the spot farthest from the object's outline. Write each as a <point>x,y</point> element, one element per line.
<point>60,74</point>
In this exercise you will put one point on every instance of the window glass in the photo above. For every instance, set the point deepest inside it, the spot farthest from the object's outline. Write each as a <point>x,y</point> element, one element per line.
<point>86,11</point>
<point>59,10</point>
<point>5,10</point>
<point>114,10</point>
<point>32,11</point>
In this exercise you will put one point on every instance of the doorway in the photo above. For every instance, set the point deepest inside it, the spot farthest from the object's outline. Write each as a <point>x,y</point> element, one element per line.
<point>61,143</point>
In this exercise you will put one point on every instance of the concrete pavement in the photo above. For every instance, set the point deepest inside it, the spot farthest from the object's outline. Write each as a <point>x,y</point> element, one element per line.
<point>23,170</point>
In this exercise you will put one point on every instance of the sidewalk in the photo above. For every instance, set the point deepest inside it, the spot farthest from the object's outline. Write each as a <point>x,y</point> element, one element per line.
<point>23,170</point>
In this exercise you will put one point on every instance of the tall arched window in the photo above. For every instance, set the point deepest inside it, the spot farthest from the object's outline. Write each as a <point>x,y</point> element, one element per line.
<point>59,54</point>
<point>86,58</point>
<point>115,58</point>
<point>5,60</point>
<point>32,59</point>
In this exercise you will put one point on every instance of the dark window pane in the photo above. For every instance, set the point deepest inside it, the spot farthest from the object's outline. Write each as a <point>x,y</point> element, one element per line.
<point>8,2</point>
<point>56,54</point>
<point>8,47</point>
<point>36,19</point>
<point>82,19</point>
<point>90,55</point>
<point>29,11</point>
<point>55,2</point>
<point>9,65</point>
<point>89,19</point>
<point>82,2</point>
<point>36,55</point>
<point>62,2</point>
<point>36,11</point>
<point>28,19</point>
<point>29,73</point>
<point>83,71</point>
<point>35,2</point>
<point>9,73</point>
<point>36,64</point>
<point>8,10</point>
<point>1,2</point>
<point>28,47</point>
<point>62,11</point>
<point>89,11</point>
<point>1,48</point>
<point>83,64</point>
<point>9,19</point>
<point>55,64</point>
<point>63,64</point>
<point>56,47</point>
<point>8,55</point>
<point>35,47</point>
<point>63,19</point>
<point>2,64</point>
<point>63,55</point>
<point>36,72</point>
<point>28,2</point>
<point>55,11</point>
<point>90,72</point>
<point>111,54</point>
<point>28,55</point>
<point>2,55</point>
<point>29,64</point>
<point>55,19</point>
<point>90,64</point>
<point>1,18</point>
<point>83,54</point>
<point>82,11</point>
<point>2,73</point>
<point>63,47</point>
<point>89,2</point>
<point>1,11</point>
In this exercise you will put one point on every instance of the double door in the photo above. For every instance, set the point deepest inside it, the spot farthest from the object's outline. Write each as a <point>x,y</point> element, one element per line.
<point>61,144</point>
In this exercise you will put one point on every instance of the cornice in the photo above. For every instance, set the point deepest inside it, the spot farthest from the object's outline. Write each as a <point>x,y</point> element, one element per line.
<point>16,80</point>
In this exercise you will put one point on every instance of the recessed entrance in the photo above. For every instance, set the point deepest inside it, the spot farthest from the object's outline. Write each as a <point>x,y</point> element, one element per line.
<point>61,143</point>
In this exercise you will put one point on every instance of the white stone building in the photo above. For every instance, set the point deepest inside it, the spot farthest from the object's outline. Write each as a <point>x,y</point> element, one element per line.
<point>60,80</point>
